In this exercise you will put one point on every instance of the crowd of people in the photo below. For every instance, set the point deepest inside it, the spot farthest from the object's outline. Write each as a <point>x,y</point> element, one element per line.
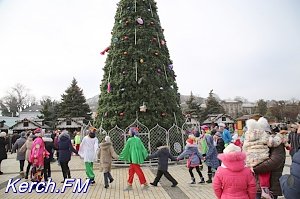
<point>246,166</point>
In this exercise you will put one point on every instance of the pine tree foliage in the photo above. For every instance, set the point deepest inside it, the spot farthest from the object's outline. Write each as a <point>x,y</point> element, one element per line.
<point>49,112</point>
<point>213,106</point>
<point>73,103</point>
<point>261,107</point>
<point>138,71</point>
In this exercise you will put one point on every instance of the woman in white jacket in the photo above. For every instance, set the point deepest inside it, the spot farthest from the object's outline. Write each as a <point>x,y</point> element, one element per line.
<point>88,151</point>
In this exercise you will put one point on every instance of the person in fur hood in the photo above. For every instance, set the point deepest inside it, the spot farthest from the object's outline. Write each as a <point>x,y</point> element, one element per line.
<point>256,145</point>
<point>163,154</point>
<point>194,158</point>
<point>232,179</point>
<point>106,153</point>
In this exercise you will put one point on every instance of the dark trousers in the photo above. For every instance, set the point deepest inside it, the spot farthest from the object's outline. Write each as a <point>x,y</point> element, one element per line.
<point>166,174</point>
<point>107,176</point>
<point>47,169</point>
<point>65,169</point>
<point>21,165</point>
<point>28,168</point>
<point>198,171</point>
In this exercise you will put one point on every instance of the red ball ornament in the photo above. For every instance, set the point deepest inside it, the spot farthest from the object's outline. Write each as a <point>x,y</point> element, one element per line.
<point>125,53</point>
<point>122,114</point>
<point>152,23</point>
<point>126,37</point>
<point>154,39</point>
<point>156,53</point>
<point>126,22</point>
<point>163,114</point>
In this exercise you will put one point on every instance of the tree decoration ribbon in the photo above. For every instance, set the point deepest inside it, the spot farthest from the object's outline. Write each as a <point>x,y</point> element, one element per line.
<point>105,50</point>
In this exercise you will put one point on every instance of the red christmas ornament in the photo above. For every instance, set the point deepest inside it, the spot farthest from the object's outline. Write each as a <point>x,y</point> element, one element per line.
<point>125,53</point>
<point>122,114</point>
<point>154,39</point>
<point>105,50</point>
<point>126,37</point>
<point>126,22</point>
<point>152,23</point>
<point>162,42</point>
<point>163,114</point>
<point>156,53</point>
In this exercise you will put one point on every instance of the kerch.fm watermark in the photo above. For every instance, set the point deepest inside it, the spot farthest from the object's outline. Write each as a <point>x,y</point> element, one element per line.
<point>77,186</point>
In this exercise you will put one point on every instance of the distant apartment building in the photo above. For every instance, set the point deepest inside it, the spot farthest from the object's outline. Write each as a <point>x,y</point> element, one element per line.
<point>249,108</point>
<point>232,107</point>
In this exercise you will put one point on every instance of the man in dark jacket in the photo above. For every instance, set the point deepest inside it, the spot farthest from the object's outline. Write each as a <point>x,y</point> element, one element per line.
<point>49,147</point>
<point>163,154</point>
<point>290,184</point>
<point>20,154</point>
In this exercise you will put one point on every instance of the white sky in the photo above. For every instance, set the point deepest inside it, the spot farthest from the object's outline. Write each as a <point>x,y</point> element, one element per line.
<point>248,48</point>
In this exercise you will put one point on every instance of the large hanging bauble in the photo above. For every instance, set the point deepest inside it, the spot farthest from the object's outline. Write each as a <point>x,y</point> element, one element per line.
<point>140,21</point>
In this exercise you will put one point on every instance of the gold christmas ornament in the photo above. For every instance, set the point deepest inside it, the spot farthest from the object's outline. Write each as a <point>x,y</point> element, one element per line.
<point>141,61</point>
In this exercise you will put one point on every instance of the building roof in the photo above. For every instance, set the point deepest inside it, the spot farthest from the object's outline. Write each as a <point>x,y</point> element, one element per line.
<point>33,108</point>
<point>37,125</point>
<point>247,117</point>
<point>216,117</point>
<point>9,121</point>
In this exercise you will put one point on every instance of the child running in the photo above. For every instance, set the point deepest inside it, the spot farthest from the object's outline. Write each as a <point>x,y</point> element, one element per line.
<point>194,160</point>
<point>163,154</point>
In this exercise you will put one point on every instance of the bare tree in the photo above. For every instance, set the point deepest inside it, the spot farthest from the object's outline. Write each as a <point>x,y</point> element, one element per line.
<point>18,98</point>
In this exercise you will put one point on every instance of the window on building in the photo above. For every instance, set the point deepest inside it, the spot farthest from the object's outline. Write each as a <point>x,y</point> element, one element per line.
<point>25,124</point>
<point>223,118</point>
<point>69,122</point>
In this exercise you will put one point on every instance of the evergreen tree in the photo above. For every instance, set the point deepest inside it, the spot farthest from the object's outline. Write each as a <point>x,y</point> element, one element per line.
<point>139,80</point>
<point>49,111</point>
<point>193,106</point>
<point>73,103</point>
<point>261,107</point>
<point>212,106</point>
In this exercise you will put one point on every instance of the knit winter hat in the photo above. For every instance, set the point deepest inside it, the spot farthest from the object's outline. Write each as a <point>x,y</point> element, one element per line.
<point>263,124</point>
<point>107,138</point>
<point>2,134</point>
<point>23,134</point>
<point>190,141</point>
<point>232,148</point>
<point>38,132</point>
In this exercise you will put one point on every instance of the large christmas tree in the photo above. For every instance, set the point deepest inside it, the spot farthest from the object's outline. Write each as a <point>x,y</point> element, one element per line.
<point>139,80</point>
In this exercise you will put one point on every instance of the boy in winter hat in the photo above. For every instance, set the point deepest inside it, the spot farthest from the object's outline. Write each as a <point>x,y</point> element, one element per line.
<point>233,179</point>
<point>163,154</point>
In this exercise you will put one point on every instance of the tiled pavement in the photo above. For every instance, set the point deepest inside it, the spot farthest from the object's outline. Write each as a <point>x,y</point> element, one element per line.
<point>179,172</point>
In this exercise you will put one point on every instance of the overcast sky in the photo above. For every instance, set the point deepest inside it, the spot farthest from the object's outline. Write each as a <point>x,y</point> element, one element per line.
<point>248,48</point>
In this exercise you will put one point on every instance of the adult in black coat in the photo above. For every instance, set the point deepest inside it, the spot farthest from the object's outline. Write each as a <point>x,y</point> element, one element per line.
<point>163,154</point>
<point>3,143</point>
<point>49,147</point>
<point>65,149</point>
<point>290,183</point>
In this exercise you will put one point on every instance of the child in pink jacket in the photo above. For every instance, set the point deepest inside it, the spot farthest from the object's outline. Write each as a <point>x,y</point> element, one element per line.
<point>233,180</point>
